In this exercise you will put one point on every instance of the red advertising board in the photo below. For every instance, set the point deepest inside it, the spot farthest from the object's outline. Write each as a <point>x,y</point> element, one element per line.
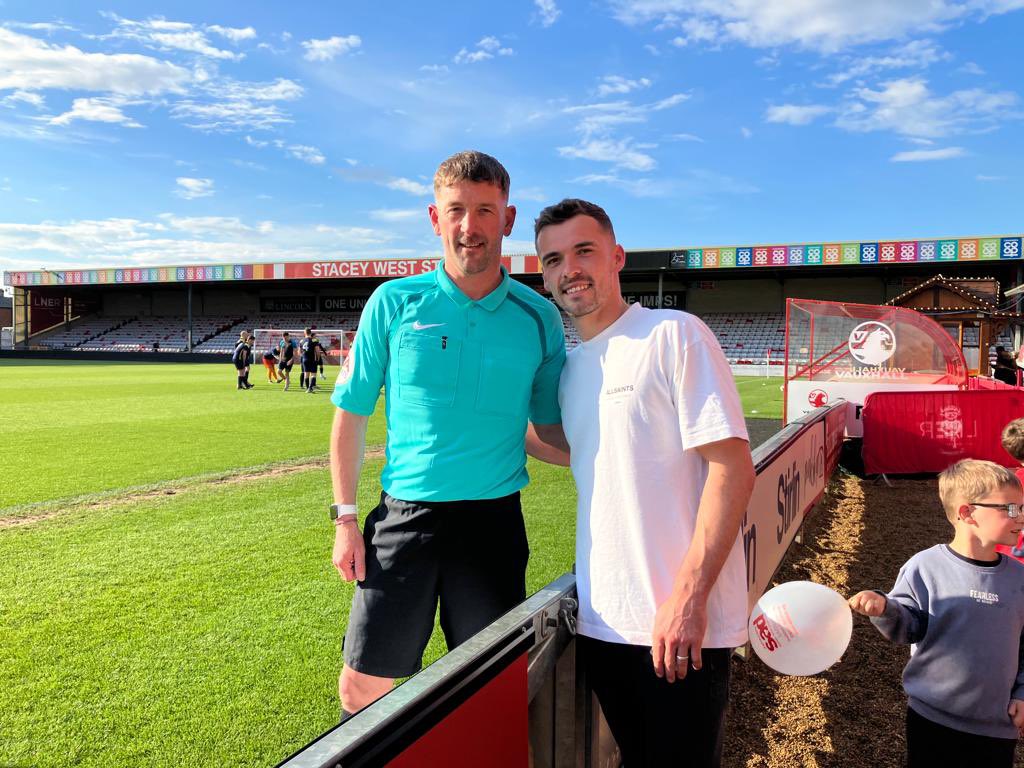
<point>490,728</point>
<point>911,432</point>
<point>45,311</point>
<point>359,268</point>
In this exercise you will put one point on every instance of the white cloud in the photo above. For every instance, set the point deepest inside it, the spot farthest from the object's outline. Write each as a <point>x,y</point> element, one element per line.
<point>620,153</point>
<point>39,26</point>
<point>600,117</point>
<point>203,225</point>
<point>233,34</point>
<point>672,101</point>
<point>984,177</point>
<point>192,188</point>
<point>697,30</point>
<point>597,123</point>
<point>26,97</point>
<point>823,25</point>
<point>30,64</point>
<point>440,69</point>
<point>164,35</point>
<point>280,89</point>
<point>237,106</point>
<point>971,68</point>
<point>686,137</point>
<point>98,109</point>
<point>486,48</point>
<point>915,54</point>
<point>192,41</point>
<point>794,114</point>
<point>174,239</point>
<point>229,116</point>
<point>745,132</point>
<point>255,142</point>
<point>924,155</point>
<point>548,11</point>
<point>908,107</point>
<point>394,215</point>
<point>611,84</point>
<point>467,57</point>
<point>327,50</point>
<point>410,186</point>
<point>306,154</point>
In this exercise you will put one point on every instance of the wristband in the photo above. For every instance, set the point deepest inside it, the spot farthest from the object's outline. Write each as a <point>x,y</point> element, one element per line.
<point>338,510</point>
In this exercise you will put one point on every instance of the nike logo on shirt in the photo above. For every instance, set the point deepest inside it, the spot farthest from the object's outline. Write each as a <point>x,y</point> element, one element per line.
<point>418,326</point>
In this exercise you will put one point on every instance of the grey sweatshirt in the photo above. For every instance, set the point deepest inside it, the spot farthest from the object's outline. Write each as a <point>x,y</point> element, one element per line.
<point>964,623</point>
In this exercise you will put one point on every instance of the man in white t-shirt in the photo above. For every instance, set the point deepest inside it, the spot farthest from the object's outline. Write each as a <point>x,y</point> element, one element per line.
<point>662,465</point>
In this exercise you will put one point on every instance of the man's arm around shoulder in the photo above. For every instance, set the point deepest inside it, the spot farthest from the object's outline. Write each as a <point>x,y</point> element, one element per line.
<point>547,443</point>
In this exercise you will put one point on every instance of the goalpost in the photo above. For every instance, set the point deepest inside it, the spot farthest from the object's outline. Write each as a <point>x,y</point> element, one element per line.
<point>335,342</point>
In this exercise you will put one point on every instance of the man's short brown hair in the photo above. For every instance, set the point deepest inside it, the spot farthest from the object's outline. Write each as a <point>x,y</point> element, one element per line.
<point>570,208</point>
<point>971,480</point>
<point>471,166</point>
<point>1013,439</point>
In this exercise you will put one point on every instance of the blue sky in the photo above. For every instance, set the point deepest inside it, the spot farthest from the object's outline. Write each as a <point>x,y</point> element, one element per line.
<point>140,133</point>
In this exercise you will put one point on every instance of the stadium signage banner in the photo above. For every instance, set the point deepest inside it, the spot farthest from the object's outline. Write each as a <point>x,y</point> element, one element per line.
<point>360,268</point>
<point>45,311</point>
<point>341,303</point>
<point>784,492</point>
<point>288,304</point>
<point>673,300</point>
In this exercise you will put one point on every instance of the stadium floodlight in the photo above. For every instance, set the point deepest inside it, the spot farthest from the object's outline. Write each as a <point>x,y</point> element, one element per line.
<point>335,341</point>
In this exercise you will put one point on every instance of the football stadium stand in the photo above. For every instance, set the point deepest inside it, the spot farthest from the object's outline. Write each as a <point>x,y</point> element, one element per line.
<point>747,338</point>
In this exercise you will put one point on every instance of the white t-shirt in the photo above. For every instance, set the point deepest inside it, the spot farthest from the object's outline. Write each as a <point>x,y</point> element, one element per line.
<point>637,400</point>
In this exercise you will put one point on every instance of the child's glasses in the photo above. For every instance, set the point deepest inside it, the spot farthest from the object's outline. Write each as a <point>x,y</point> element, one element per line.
<point>1011,510</point>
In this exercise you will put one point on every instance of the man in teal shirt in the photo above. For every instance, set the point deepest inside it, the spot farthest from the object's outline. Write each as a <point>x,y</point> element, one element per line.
<point>467,357</point>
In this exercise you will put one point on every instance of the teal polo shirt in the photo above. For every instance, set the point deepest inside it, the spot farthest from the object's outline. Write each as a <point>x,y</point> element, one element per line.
<point>461,378</point>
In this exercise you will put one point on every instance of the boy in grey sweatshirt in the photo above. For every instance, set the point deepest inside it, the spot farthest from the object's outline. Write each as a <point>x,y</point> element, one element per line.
<point>961,607</point>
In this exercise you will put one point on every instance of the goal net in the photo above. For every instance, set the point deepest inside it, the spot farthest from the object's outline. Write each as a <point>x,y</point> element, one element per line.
<point>335,342</point>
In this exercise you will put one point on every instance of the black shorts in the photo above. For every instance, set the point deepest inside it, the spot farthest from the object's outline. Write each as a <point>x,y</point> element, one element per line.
<point>309,366</point>
<point>240,366</point>
<point>656,722</point>
<point>285,365</point>
<point>469,555</point>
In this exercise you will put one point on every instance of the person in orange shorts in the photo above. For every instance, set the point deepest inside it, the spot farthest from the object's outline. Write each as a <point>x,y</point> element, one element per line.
<point>270,363</point>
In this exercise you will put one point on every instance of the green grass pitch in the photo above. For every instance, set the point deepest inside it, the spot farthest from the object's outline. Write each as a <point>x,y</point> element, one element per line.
<point>168,597</point>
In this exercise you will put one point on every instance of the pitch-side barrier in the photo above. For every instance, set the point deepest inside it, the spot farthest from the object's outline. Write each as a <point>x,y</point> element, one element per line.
<point>511,696</point>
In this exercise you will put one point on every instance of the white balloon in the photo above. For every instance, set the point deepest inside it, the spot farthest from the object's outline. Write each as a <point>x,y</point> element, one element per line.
<point>800,628</point>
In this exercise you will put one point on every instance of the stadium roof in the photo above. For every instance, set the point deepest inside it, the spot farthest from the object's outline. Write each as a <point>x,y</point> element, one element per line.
<point>996,248</point>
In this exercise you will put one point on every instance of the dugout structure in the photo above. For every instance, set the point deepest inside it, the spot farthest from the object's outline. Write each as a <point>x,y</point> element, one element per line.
<point>844,350</point>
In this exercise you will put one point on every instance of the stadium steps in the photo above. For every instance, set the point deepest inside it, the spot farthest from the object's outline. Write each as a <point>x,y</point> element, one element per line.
<point>231,326</point>
<point>123,323</point>
<point>220,334</point>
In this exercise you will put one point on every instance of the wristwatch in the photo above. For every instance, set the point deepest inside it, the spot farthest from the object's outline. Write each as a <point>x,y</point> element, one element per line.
<point>341,513</point>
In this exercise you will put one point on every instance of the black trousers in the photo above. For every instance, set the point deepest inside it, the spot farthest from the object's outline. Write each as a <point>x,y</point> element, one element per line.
<point>654,722</point>
<point>930,745</point>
